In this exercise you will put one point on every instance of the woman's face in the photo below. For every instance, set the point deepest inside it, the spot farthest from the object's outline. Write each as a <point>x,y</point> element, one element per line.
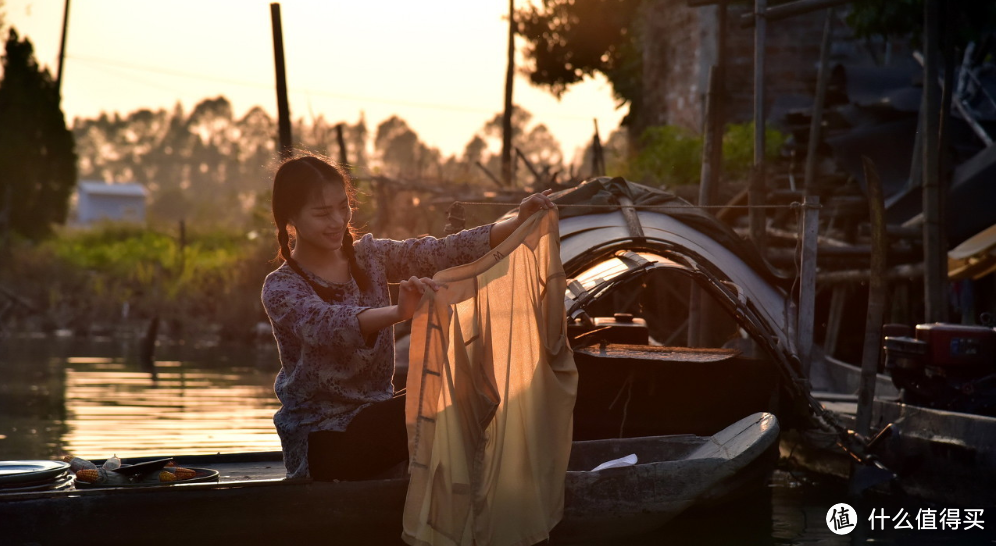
<point>324,218</point>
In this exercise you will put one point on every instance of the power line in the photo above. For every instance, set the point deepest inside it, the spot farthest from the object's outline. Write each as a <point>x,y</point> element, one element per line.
<point>305,91</point>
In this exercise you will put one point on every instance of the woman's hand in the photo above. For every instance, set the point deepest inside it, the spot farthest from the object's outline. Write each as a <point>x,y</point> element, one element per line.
<point>410,293</point>
<point>535,202</point>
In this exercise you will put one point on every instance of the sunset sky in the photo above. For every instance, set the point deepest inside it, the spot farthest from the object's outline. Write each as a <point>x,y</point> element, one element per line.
<point>438,65</point>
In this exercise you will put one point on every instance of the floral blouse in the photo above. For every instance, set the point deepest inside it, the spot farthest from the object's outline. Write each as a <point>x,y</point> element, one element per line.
<point>328,371</point>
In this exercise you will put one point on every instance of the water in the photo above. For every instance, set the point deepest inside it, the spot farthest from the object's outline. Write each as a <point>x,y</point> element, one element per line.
<point>94,399</point>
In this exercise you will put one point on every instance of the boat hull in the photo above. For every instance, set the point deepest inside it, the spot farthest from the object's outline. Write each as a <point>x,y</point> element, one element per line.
<point>674,472</point>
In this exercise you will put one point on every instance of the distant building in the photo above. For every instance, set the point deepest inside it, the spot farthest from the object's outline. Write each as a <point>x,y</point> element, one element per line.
<point>117,202</point>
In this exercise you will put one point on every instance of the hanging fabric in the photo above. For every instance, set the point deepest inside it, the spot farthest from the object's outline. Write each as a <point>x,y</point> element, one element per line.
<point>491,390</point>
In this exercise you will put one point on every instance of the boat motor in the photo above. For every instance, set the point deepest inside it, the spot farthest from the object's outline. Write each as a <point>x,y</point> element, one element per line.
<point>945,366</point>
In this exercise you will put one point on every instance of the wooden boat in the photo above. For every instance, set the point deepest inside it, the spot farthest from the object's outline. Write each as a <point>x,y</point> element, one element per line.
<point>252,504</point>
<point>934,454</point>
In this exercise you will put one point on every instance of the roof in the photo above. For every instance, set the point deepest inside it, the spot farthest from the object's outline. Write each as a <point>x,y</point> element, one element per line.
<point>130,189</point>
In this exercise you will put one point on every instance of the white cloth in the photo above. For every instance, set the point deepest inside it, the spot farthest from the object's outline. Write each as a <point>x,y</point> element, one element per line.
<point>491,390</point>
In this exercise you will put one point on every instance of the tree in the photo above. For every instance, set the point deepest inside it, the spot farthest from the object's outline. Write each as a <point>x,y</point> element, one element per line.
<point>571,39</point>
<point>971,20</point>
<point>37,151</point>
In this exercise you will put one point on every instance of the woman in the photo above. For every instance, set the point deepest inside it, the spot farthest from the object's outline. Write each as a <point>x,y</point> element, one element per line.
<point>333,320</point>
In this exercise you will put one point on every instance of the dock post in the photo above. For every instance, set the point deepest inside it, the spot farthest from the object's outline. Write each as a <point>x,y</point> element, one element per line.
<point>807,281</point>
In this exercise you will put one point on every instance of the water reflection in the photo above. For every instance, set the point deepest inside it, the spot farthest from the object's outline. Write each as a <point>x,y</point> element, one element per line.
<point>95,400</point>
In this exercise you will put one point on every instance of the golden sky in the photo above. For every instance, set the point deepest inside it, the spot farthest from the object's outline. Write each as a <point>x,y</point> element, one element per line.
<point>440,65</point>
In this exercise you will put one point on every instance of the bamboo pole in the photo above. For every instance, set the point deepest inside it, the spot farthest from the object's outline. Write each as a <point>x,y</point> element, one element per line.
<point>876,299</point>
<point>283,110</point>
<point>816,123</point>
<point>755,196</point>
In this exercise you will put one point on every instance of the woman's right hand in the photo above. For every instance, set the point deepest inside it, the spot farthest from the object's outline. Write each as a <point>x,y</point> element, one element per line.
<point>410,293</point>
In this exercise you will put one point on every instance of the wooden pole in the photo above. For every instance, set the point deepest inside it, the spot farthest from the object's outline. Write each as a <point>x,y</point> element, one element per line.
<point>343,157</point>
<point>597,154</point>
<point>837,300</point>
<point>816,123</point>
<point>934,283</point>
<point>529,165</point>
<point>696,312</point>
<point>62,49</point>
<point>283,110</point>
<point>756,196</point>
<point>807,284</point>
<point>710,169</point>
<point>717,104</point>
<point>506,122</point>
<point>876,299</point>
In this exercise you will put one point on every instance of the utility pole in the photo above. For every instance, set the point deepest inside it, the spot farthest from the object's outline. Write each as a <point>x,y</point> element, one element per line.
<point>506,122</point>
<point>62,50</point>
<point>283,110</point>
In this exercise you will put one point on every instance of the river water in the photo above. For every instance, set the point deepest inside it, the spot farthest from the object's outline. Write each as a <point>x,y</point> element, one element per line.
<point>94,399</point>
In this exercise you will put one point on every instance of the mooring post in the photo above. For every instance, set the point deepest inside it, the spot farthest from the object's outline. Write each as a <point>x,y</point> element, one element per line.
<point>807,281</point>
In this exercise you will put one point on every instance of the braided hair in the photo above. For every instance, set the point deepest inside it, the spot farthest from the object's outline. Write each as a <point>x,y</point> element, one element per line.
<point>294,182</point>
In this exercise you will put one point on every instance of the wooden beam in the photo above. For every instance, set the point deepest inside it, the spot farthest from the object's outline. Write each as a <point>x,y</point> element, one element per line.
<point>807,283</point>
<point>791,9</point>
<point>901,272</point>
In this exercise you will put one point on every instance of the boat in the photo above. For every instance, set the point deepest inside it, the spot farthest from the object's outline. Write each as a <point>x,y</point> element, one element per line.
<point>920,450</point>
<point>252,503</point>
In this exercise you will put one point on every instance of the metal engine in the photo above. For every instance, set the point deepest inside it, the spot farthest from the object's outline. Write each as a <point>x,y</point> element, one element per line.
<point>945,366</point>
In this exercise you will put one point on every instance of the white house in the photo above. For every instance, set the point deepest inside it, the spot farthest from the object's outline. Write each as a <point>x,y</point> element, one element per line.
<point>102,201</point>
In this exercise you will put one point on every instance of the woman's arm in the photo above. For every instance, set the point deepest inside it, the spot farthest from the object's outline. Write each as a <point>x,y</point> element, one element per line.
<point>529,206</point>
<point>409,295</point>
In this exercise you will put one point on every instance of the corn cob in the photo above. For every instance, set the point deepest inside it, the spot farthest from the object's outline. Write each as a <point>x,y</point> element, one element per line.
<point>167,476</point>
<point>184,473</point>
<point>88,475</point>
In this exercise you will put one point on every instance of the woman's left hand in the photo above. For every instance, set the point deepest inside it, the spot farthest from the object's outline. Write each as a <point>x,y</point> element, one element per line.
<point>535,202</point>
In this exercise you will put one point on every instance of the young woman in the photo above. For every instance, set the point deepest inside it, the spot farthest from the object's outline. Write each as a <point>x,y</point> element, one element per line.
<point>333,320</point>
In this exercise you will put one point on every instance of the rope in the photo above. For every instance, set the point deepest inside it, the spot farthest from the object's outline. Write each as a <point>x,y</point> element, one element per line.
<point>795,205</point>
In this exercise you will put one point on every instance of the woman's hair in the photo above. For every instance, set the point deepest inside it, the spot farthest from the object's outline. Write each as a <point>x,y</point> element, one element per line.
<point>296,181</point>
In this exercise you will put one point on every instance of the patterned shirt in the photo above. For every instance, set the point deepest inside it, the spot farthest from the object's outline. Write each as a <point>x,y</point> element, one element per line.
<point>328,371</point>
